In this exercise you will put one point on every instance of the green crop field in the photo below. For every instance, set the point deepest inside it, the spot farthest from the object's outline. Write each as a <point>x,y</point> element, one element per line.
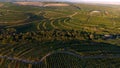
<point>74,36</point>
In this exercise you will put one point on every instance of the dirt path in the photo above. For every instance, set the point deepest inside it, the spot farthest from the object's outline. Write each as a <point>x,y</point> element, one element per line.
<point>73,14</point>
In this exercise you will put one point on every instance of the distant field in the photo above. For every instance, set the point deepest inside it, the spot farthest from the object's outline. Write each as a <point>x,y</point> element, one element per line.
<point>41,4</point>
<point>1,4</point>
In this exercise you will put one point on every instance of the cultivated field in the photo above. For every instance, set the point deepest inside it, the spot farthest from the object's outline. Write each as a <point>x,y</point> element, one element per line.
<point>59,35</point>
<point>41,4</point>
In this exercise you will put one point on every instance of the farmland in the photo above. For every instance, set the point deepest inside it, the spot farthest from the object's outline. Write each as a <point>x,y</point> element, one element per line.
<point>59,35</point>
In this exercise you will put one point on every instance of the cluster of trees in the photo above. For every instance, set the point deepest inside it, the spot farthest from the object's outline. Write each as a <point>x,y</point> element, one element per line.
<point>12,36</point>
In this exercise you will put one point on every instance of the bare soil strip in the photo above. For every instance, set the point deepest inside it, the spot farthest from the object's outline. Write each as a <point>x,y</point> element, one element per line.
<point>1,5</point>
<point>40,4</point>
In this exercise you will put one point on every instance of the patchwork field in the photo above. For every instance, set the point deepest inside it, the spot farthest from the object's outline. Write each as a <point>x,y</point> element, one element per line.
<point>59,35</point>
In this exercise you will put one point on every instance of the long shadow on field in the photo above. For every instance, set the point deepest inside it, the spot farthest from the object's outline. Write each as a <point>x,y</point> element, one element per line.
<point>53,46</point>
<point>29,24</point>
<point>66,58</point>
<point>81,46</point>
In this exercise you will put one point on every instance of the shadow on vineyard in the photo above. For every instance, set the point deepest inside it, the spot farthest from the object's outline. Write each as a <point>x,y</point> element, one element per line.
<point>59,54</point>
<point>69,61</point>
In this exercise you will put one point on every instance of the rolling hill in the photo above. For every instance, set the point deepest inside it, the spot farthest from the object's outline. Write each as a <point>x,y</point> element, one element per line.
<point>53,36</point>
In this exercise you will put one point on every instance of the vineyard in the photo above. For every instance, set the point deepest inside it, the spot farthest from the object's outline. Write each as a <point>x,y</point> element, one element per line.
<point>74,36</point>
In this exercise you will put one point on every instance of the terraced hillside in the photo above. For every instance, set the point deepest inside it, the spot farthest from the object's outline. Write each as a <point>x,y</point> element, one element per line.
<point>74,36</point>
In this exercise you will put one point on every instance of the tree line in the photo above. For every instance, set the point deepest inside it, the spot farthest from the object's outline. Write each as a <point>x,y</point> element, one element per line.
<point>10,35</point>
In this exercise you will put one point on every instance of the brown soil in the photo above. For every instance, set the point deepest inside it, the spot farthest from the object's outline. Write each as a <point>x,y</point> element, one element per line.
<point>55,4</point>
<point>1,5</point>
<point>41,4</point>
<point>30,3</point>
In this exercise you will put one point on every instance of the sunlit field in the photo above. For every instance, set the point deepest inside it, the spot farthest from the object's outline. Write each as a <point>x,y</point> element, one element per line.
<point>59,35</point>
